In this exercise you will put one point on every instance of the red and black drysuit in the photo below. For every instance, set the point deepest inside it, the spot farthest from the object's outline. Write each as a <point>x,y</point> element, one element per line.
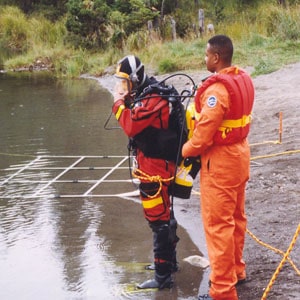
<point>146,123</point>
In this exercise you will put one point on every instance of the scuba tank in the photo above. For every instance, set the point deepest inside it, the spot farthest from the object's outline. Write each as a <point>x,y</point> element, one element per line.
<point>183,183</point>
<point>189,167</point>
<point>190,116</point>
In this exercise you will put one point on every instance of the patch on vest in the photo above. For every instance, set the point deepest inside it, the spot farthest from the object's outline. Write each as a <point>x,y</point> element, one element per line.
<point>211,101</point>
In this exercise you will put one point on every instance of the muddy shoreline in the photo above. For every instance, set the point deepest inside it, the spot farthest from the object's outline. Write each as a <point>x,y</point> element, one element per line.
<point>273,204</point>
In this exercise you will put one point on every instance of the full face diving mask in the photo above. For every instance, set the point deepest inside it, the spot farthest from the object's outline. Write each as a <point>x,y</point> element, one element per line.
<point>123,81</point>
<point>123,88</point>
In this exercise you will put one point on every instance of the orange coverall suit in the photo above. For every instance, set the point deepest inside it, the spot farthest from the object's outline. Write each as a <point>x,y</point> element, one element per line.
<point>225,165</point>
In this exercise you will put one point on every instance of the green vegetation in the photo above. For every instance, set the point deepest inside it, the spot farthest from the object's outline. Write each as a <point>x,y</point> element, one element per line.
<point>89,36</point>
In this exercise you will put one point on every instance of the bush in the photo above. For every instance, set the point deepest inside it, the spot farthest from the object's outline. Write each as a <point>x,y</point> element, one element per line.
<point>137,41</point>
<point>45,32</point>
<point>283,23</point>
<point>13,29</point>
<point>264,66</point>
<point>88,20</point>
<point>167,65</point>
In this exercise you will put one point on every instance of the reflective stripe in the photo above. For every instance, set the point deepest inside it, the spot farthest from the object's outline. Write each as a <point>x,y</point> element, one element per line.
<point>184,182</point>
<point>152,203</point>
<point>245,120</point>
<point>228,125</point>
<point>120,109</point>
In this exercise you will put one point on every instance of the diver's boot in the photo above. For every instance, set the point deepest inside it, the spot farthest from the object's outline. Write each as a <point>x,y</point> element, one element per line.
<point>162,278</point>
<point>159,282</point>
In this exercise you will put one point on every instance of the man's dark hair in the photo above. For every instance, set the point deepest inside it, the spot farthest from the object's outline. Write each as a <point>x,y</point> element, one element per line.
<point>222,45</point>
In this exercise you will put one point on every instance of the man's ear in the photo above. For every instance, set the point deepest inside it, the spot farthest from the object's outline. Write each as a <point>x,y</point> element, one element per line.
<point>216,57</point>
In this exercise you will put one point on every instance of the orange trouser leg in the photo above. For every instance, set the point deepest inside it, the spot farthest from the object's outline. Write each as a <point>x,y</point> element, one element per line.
<point>217,216</point>
<point>239,233</point>
<point>224,173</point>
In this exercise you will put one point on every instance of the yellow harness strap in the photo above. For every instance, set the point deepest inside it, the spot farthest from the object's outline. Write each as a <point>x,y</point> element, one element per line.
<point>228,125</point>
<point>120,109</point>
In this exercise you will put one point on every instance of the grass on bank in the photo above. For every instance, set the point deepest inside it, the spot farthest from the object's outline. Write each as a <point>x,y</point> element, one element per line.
<point>266,38</point>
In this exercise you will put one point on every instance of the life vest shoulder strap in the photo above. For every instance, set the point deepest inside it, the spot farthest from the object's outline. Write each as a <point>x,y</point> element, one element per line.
<point>241,91</point>
<point>227,80</point>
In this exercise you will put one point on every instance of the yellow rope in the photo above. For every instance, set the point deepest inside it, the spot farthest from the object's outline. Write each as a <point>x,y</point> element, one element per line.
<point>137,173</point>
<point>273,249</point>
<point>266,142</point>
<point>285,257</point>
<point>275,154</point>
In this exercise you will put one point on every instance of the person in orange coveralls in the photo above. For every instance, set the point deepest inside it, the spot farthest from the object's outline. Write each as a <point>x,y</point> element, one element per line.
<point>223,106</point>
<point>144,118</point>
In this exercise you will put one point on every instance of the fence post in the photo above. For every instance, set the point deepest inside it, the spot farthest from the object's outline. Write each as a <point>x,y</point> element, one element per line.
<point>201,20</point>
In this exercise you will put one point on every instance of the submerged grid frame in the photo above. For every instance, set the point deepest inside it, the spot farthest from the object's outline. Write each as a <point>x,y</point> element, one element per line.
<point>33,165</point>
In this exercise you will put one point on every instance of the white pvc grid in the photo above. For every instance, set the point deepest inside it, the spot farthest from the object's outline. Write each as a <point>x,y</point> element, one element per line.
<point>49,173</point>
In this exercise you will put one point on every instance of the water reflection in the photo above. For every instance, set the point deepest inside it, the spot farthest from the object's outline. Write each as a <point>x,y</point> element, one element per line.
<point>85,270</point>
<point>83,247</point>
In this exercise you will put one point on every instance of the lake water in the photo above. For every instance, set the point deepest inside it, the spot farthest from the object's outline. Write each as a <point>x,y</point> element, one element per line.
<point>71,225</point>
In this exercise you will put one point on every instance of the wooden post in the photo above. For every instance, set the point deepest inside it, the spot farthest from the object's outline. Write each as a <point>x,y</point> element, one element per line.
<point>162,10</point>
<point>282,2</point>
<point>280,127</point>
<point>201,20</point>
<point>173,26</point>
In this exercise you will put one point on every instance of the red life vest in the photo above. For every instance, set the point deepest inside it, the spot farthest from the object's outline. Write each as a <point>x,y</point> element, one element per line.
<point>236,124</point>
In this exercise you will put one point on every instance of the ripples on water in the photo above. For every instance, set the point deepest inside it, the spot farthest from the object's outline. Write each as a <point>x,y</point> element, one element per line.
<point>49,247</point>
<point>54,245</point>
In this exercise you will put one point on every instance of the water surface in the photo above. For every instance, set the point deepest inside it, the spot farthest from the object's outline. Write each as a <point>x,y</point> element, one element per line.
<point>67,231</point>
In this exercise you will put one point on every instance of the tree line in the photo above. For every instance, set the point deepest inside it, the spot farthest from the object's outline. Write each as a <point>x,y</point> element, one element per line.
<point>94,24</point>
